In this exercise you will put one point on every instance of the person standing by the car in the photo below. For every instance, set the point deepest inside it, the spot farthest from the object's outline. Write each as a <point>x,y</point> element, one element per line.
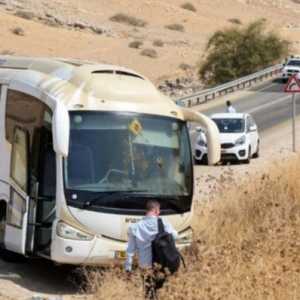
<point>140,237</point>
<point>230,108</point>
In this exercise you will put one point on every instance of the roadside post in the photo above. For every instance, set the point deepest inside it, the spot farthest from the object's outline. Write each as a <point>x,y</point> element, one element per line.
<point>293,87</point>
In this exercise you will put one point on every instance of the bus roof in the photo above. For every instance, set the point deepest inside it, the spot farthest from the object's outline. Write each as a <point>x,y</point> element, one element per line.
<point>85,85</point>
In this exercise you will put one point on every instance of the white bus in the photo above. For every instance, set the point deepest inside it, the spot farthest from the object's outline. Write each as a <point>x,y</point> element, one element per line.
<point>82,148</point>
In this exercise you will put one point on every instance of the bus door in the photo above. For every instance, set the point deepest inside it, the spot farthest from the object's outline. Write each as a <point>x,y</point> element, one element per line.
<point>17,214</point>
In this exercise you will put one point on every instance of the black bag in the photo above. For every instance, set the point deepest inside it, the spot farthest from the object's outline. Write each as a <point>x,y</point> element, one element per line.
<point>164,251</point>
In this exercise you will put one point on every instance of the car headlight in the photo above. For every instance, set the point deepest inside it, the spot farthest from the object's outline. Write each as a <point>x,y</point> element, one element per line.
<point>241,140</point>
<point>185,237</point>
<point>202,143</point>
<point>68,232</point>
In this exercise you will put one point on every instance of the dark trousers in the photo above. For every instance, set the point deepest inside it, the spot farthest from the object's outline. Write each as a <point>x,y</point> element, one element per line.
<point>152,281</point>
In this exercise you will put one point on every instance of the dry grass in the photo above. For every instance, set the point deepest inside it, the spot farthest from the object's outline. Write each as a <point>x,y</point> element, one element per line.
<point>247,244</point>
<point>235,21</point>
<point>135,44</point>
<point>189,6</point>
<point>18,31</point>
<point>175,27</point>
<point>158,43</point>
<point>128,20</point>
<point>152,53</point>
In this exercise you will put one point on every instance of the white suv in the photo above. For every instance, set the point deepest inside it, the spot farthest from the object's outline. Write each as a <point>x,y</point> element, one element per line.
<point>290,68</point>
<point>238,136</point>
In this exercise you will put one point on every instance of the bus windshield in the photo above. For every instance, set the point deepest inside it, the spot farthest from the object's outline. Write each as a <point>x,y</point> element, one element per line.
<point>130,153</point>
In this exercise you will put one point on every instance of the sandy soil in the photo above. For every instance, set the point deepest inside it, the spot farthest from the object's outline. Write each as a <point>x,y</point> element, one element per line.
<point>112,45</point>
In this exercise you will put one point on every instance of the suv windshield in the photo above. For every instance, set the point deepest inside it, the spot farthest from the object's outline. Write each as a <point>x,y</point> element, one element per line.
<point>230,125</point>
<point>294,63</point>
<point>127,153</point>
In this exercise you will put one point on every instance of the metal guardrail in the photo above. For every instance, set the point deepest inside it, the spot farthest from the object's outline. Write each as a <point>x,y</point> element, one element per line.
<point>238,84</point>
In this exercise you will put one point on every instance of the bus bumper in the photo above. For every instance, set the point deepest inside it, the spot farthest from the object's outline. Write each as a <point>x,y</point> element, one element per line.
<point>99,251</point>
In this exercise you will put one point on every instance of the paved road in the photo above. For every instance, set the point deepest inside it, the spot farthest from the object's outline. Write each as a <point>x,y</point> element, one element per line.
<point>269,105</point>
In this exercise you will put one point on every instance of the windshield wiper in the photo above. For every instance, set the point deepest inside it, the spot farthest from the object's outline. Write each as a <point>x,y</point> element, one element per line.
<point>111,195</point>
<point>173,204</point>
<point>107,196</point>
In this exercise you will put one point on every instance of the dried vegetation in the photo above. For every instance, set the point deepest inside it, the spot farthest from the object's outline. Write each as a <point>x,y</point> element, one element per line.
<point>189,6</point>
<point>152,53</point>
<point>247,244</point>
<point>175,27</point>
<point>128,20</point>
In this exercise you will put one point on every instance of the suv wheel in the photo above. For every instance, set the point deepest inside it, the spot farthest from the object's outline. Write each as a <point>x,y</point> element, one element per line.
<point>256,154</point>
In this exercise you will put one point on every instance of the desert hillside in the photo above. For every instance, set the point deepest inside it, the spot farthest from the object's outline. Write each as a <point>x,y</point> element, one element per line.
<point>86,30</point>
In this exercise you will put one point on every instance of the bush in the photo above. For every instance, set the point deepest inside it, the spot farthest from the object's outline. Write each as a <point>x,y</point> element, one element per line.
<point>7,52</point>
<point>189,6</point>
<point>176,27</point>
<point>235,21</point>
<point>28,15</point>
<point>128,20</point>
<point>18,31</point>
<point>135,44</point>
<point>237,52</point>
<point>158,43</point>
<point>185,67</point>
<point>150,53</point>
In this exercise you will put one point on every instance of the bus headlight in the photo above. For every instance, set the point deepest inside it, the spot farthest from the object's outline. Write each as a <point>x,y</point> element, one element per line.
<point>68,232</point>
<point>185,237</point>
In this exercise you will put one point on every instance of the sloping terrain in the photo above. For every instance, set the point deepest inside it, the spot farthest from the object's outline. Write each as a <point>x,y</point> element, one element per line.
<point>84,29</point>
<point>246,243</point>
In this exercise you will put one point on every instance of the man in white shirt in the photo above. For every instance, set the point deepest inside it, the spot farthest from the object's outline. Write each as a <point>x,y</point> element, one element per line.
<point>229,107</point>
<point>140,237</point>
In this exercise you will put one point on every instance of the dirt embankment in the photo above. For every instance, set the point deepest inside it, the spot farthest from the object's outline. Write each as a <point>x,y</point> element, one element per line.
<point>246,243</point>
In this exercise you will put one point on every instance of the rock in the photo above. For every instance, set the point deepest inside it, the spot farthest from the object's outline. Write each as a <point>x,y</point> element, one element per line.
<point>97,29</point>
<point>181,86</point>
<point>49,16</point>
<point>79,25</point>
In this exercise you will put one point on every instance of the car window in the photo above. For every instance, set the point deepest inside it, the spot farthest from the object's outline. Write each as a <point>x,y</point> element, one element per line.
<point>294,63</point>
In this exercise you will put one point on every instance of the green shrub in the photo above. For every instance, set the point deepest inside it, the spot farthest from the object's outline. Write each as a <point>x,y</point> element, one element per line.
<point>176,27</point>
<point>189,6</point>
<point>240,51</point>
<point>128,20</point>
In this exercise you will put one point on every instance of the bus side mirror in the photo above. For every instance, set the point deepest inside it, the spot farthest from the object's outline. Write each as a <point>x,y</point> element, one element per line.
<point>61,130</point>
<point>211,132</point>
